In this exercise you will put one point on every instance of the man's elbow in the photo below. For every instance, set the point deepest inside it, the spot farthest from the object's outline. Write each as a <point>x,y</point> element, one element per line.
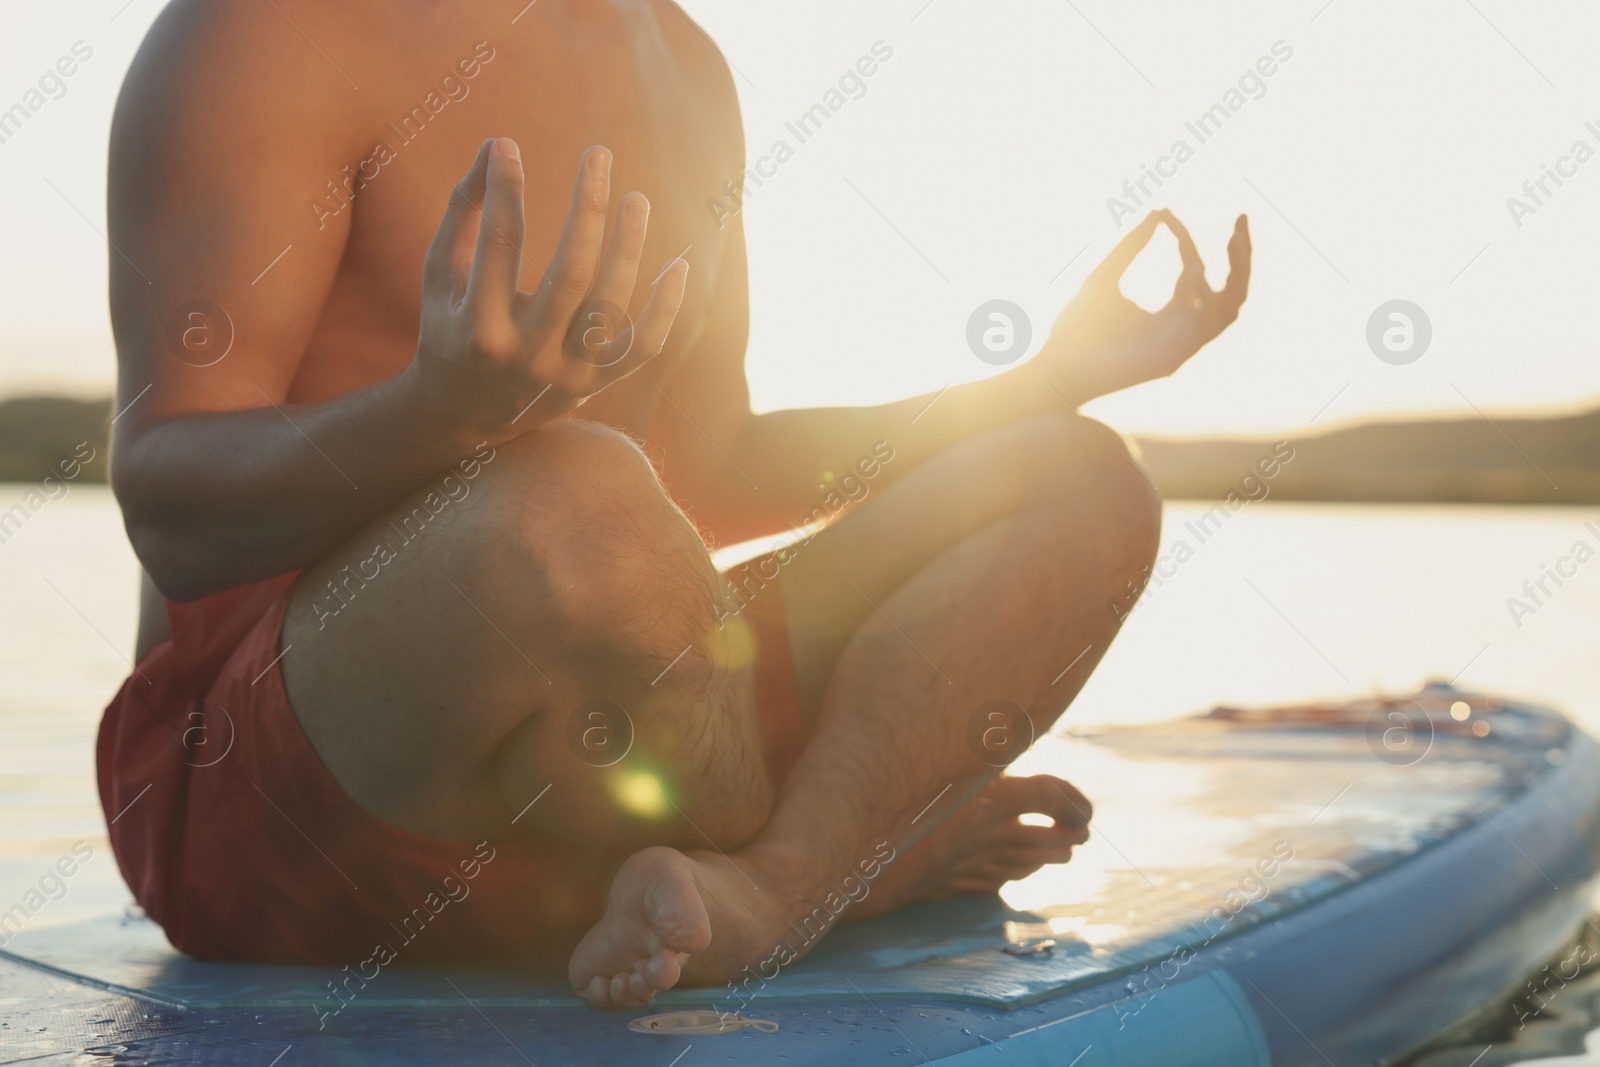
<point>170,565</point>
<point>153,529</point>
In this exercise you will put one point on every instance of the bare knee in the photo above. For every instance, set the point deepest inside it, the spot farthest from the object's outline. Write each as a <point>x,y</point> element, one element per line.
<point>628,589</point>
<point>1130,493</point>
<point>1087,472</point>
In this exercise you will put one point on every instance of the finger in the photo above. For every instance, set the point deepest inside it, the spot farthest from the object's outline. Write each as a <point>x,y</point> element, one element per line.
<point>449,257</point>
<point>1020,863</point>
<point>497,263</point>
<point>1011,866</point>
<point>1237,287</point>
<point>1062,835</point>
<point>1059,799</point>
<point>1111,269</point>
<point>974,886</point>
<point>572,270</point>
<point>643,341</point>
<point>1192,280</point>
<point>1055,843</point>
<point>619,270</point>
<point>1016,868</point>
<point>1013,869</point>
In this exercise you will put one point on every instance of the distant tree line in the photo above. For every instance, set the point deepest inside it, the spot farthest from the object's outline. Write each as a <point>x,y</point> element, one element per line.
<point>1508,461</point>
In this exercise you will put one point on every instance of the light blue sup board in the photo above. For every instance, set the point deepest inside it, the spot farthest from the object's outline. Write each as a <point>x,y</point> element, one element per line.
<point>1312,885</point>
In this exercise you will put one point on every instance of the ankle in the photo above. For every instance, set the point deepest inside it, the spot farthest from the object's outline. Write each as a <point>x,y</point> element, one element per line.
<point>811,889</point>
<point>783,875</point>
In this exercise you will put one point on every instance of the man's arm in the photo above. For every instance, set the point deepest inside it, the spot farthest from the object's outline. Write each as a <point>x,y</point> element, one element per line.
<point>213,156</point>
<point>1101,343</point>
<point>221,480</point>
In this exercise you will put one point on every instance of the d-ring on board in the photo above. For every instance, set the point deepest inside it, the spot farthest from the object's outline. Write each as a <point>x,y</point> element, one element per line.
<point>683,1023</point>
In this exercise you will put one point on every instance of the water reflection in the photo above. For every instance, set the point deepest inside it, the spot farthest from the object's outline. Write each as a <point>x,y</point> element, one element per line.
<point>1552,1021</point>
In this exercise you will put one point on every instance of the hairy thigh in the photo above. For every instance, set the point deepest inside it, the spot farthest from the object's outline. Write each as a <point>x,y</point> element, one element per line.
<point>546,624</point>
<point>1069,483</point>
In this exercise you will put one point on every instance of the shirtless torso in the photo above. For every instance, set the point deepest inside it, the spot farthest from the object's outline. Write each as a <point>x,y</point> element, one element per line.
<point>639,79</point>
<point>351,182</point>
<point>288,163</point>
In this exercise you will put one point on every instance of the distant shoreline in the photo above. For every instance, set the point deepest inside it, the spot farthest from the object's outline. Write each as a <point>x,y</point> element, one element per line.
<point>1463,461</point>
<point>1554,460</point>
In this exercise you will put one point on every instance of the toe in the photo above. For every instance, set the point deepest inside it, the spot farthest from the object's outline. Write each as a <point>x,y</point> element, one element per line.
<point>654,909</point>
<point>664,969</point>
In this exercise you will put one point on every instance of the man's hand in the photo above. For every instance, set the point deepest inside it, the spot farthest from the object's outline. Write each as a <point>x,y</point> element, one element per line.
<point>1103,342</point>
<point>492,361</point>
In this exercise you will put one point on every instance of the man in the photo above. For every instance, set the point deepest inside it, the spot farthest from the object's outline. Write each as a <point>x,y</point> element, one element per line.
<point>435,556</point>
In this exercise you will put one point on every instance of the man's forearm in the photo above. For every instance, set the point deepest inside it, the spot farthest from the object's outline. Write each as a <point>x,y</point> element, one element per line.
<point>215,500</point>
<point>790,452</point>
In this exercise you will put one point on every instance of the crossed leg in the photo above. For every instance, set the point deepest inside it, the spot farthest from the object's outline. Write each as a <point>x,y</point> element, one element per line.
<point>450,684</point>
<point>444,698</point>
<point>977,578</point>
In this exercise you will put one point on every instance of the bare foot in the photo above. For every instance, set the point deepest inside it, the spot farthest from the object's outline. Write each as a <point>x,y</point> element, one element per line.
<point>661,912</point>
<point>702,917</point>
<point>983,846</point>
<point>655,918</point>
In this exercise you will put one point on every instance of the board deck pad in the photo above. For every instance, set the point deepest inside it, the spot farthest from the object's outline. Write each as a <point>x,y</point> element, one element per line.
<point>1190,818</point>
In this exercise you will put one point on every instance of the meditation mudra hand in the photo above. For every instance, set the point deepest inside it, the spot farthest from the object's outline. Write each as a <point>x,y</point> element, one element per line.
<point>1103,342</point>
<point>410,536</point>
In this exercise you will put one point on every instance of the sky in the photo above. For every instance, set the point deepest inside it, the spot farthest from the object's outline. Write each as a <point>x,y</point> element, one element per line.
<point>978,162</point>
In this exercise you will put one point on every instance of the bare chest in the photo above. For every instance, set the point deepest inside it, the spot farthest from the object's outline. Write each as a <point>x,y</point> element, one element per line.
<point>670,124</point>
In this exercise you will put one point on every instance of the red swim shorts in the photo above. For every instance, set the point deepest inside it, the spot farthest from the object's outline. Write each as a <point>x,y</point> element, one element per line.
<point>239,842</point>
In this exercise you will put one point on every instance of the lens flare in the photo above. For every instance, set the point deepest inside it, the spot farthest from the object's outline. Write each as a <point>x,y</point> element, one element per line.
<point>641,793</point>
